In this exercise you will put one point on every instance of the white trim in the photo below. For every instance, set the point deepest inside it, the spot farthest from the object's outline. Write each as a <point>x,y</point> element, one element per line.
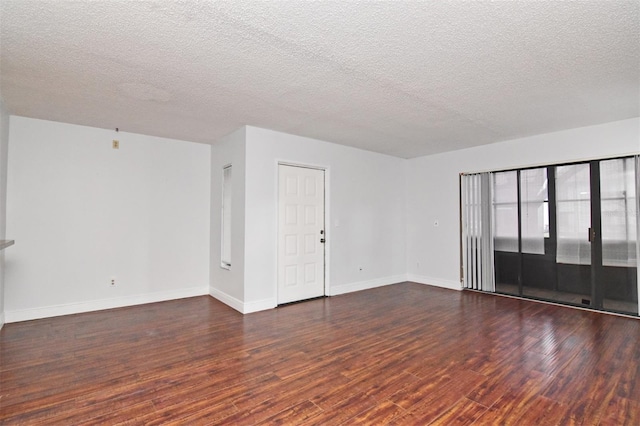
<point>240,306</point>
<point>328,230</point>
<point>436,282</point>
<point>228,300</point>
<point>301,165</point>
<point>365,285</point>
<point>259,305</point>
<point>99,305</point>
<point>1,320</point>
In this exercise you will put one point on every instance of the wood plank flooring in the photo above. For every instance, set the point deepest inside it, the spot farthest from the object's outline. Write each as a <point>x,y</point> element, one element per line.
<point>406,354</point>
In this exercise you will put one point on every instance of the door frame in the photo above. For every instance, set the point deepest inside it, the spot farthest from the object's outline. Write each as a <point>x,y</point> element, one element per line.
<point>327,220</point>
<point>595,237</point>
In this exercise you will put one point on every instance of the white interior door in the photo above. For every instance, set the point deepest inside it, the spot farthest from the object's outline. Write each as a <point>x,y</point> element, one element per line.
<point>300,233</point>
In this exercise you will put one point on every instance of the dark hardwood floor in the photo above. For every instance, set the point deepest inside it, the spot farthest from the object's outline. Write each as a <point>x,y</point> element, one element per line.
<point>399,355</point>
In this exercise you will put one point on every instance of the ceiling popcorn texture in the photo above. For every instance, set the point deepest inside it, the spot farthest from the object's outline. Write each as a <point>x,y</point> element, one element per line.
<point>404,78</point>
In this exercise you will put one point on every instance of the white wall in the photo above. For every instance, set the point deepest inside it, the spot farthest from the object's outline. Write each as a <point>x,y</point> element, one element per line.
<point>365,212</point>
<point>82,213</point>
<point>432,187</point>
<point>4,145</point>
<point>227,285</point>
<point>148,214</point>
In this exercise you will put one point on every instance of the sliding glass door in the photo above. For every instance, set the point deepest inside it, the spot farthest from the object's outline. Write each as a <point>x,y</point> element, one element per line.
<point>569,234</point>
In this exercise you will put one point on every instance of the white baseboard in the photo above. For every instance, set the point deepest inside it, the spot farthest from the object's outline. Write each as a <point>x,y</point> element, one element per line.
<point>437,282</point>
<point>231,301</point>
<point>259,305</point>
<point>365,285</point>
<point>98,305</point>
<point>1,320</point>
<point>239,305</point>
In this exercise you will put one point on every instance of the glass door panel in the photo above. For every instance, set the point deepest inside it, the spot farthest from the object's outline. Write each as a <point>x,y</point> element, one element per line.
<point>533,216</point>
<point>573,210</point>
<point>618,276</point>
<point>505,231</point>
<point>538,261</point>
<point>573,221</point>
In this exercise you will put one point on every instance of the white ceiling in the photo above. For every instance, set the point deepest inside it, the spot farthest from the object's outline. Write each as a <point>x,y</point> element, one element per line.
<point>401,78</point>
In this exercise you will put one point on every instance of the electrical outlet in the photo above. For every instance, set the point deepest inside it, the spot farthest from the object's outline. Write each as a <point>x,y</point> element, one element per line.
<point>113,282</point>
<point>116,144</point>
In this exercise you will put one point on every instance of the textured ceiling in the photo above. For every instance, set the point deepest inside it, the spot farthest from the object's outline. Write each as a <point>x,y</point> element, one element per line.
<point>401,78</point>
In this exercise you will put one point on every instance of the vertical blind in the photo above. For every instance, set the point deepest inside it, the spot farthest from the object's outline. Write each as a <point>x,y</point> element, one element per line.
<point>477,237</point>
